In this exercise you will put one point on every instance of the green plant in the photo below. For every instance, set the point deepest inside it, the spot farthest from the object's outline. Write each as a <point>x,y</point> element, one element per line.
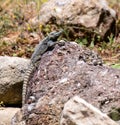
<point>2,104</point>
<point>108,45</point>
<point>92,43</point>
<point>6,24</point>
<point>111,40</point>
<point>82,41</point>
<point>116,66</point>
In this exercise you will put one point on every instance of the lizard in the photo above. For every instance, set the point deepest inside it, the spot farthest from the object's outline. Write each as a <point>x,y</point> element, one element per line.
<point>40,49</point>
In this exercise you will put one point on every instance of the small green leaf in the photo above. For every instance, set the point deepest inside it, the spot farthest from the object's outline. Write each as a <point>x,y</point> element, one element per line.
<point>116,66</point>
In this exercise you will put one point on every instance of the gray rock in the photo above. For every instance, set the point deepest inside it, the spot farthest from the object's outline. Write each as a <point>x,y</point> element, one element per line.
<point>12,71</point>
<point>79,112</point>
<point>93,17</point>
<point>6,114</point>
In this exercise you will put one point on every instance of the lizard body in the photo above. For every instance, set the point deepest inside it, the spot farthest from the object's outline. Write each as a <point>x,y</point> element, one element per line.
<point>40,49</point>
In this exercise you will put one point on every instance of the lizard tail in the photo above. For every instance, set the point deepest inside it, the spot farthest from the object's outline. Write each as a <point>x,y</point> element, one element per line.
<point>26,79</point>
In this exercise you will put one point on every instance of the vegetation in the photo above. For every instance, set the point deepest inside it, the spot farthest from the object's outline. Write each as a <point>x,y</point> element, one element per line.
<point>2,104</point>
<point>18,36</point>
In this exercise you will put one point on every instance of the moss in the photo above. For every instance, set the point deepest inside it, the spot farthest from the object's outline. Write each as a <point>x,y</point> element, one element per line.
<point>115,114</point>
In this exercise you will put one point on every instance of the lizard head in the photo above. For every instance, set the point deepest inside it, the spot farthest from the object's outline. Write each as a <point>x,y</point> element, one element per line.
<point>54,35</point>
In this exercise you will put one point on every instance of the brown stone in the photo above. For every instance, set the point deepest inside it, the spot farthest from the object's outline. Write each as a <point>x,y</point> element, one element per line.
<point>66,71</point>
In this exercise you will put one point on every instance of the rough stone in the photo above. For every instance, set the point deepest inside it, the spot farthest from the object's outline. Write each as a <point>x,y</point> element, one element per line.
<point>66,71</point>
<point>6,114</point>
<point>12,71</point>
<point>82,18</point>
<point>79,112</point>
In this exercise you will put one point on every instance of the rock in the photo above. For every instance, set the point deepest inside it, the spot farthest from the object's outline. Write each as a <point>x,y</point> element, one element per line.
<point>79,112</point>
<point>6,114</point>
<point>15,119</point>
<point>63,72</point>
<point>82,18</point>
<point>12,71</point>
